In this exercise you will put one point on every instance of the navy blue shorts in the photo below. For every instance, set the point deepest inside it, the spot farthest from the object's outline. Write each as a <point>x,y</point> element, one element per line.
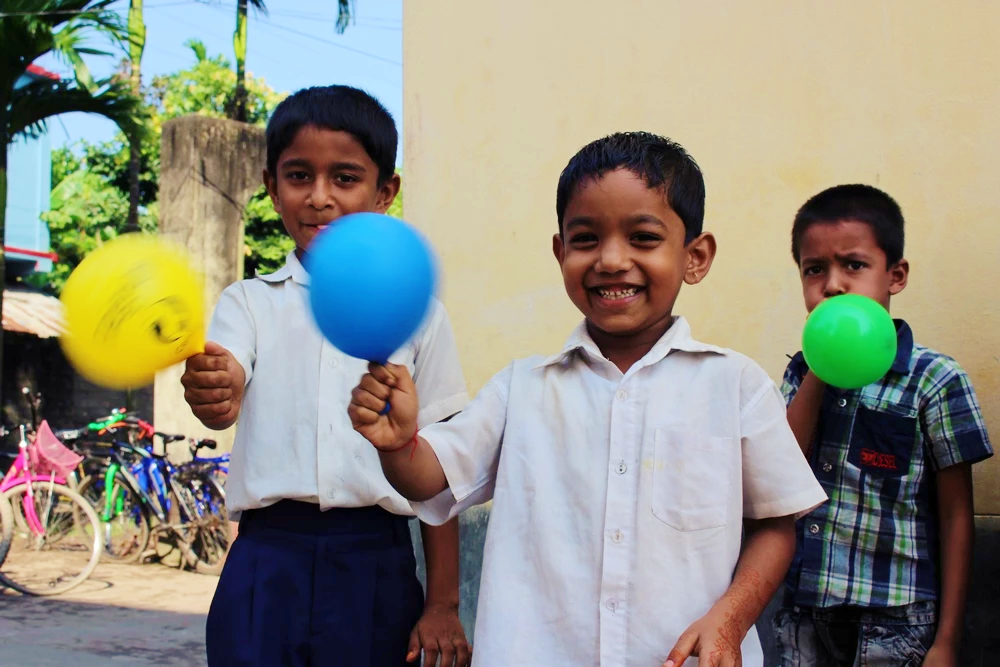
<point>304,587</point>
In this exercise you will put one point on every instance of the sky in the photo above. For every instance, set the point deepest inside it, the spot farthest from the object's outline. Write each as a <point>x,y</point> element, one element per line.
<point>294,46</point>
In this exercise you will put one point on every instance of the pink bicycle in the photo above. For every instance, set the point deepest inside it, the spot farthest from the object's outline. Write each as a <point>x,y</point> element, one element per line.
<point>51,535</point>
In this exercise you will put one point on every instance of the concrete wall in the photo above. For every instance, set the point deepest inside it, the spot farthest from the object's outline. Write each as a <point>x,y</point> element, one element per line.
<point>776,100</point>
<point>209,168</point>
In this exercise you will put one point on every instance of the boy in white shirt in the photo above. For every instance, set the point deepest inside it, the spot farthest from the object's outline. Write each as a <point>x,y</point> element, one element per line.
<point>624,469</point>
<point>323,570</point>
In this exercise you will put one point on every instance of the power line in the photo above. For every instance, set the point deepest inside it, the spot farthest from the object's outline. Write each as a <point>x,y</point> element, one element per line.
<point>216,35</point>
<point>75,12</point>
<point>293,31</point>
<point>336,45</point>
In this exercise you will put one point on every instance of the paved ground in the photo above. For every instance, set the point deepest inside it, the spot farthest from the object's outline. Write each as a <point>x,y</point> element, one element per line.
<point>141,615</point>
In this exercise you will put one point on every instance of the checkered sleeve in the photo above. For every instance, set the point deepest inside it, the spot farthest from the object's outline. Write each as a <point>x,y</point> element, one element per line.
<point>952,419</point>
<point>792,379</point>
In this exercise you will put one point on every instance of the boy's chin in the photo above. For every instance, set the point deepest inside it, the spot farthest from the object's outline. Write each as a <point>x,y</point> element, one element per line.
<point>618,326</point>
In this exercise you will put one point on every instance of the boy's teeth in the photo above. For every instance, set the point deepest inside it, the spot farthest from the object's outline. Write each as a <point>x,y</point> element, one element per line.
<point>617,293</point>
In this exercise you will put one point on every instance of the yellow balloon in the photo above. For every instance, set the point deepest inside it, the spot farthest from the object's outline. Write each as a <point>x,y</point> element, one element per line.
<point>132,308</point>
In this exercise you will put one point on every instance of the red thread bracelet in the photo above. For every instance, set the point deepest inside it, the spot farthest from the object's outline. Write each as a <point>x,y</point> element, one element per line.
<point>412,442</point>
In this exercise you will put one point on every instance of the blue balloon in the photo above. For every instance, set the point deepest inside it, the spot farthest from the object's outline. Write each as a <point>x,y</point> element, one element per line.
<point>372,278</point>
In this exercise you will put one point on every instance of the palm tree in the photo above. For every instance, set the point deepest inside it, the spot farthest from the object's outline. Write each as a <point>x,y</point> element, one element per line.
<point>239,102</point>
<point>136,45</point>
<point>30,29</point>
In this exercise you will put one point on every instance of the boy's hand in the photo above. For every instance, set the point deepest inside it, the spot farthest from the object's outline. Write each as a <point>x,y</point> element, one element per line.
<point>941,656</point>
<point>390,383</point>
<point>213,386</point>
<point>439,632</point>
<point>715,638</point>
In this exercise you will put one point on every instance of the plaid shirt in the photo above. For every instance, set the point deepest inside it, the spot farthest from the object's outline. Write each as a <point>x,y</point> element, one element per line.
<point>875,452</point>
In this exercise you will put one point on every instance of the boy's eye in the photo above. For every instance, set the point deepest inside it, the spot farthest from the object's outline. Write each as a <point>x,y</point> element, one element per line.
<point>856,265</point>
<point>583,239</point>
<point>345,178</point>
<point>811,271</point>
<point>646,238</point>
<point>297,175</point>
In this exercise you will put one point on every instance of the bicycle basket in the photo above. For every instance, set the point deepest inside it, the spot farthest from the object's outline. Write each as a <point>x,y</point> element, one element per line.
<point>51,456</point>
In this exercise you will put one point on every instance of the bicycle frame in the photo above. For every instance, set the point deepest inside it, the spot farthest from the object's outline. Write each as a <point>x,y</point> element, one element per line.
<point>220,462</point>
<point>20,474</point>
<point>159,502</point>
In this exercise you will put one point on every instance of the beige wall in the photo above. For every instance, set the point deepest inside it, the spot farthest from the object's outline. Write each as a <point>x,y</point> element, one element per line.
<point>776,100</point>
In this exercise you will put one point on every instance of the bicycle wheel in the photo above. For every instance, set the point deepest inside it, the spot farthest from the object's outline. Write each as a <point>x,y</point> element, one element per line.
<point>6,528</point>
<point>206,533</point>
<point>126,527</point>
<point>65,552</point>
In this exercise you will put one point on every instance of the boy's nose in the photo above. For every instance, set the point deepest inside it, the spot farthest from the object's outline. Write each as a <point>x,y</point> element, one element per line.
<point>835,286</point>
<point>321,195</point>
<point>612,258</point>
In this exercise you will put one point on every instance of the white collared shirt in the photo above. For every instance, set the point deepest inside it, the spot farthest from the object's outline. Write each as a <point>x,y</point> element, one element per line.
<point>294,439</point>
<point>618,500</point>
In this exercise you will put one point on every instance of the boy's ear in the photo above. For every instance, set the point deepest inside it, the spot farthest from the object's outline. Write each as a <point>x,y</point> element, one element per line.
<point>701,254</point>
<point>387,193</point>
<point>271,184</point>
<point>899,274</point>
<point>558,249</point>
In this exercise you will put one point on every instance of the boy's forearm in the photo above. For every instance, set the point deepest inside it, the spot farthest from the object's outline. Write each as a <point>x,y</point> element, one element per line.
<point>762,566</point>
<point>441,559</point>
<point>956,537</point>
<point>803,411</point>
<point>414,471</point>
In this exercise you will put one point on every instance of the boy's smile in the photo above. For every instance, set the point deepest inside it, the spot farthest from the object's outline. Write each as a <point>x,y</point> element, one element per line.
<point>324,175</point>
<point>844,257</point>
<point>623,258</point>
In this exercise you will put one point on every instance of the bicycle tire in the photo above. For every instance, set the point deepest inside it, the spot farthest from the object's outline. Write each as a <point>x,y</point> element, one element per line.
<point>205,533</point>
<point>219,533</point>
<point>6,528</point>
<point>95,551</point>
<point>96,499</point>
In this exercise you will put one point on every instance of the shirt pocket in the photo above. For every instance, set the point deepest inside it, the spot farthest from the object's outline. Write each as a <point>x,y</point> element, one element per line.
<point>882,440</point>
<point>691,480</point>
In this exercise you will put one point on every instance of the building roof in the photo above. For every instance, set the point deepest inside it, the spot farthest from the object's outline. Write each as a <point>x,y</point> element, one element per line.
<point>41,71</point>
<point>25,311</point>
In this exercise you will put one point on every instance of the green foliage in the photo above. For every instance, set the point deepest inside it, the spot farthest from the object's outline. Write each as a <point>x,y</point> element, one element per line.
<point>207,89</point>
<point>90,195</point>
<point>85,213</point>
<point>267,243</point>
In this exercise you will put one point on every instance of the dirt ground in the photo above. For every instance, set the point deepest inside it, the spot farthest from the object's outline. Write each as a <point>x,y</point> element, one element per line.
<point>141,615</point>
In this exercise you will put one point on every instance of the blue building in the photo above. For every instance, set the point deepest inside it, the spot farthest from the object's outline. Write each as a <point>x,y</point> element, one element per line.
<point>29,185</point>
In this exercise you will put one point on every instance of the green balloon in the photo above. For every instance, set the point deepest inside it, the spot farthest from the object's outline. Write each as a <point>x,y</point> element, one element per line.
<point>849,341</point>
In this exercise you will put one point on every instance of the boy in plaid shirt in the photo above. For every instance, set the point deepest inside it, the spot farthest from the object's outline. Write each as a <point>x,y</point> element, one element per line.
<point>881,571</point>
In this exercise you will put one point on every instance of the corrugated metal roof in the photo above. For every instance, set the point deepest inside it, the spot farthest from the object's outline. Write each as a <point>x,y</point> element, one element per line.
<point>30,312</point>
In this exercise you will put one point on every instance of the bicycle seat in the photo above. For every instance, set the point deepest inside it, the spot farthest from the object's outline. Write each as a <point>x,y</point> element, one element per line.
<point>210,444</point>
<point>69,434</point>
<point>167,439</point>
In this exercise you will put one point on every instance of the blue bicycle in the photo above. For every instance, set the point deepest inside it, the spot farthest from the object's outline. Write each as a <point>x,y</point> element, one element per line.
<point>151,501</point>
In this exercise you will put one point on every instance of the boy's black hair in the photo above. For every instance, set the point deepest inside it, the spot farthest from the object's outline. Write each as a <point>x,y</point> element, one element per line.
<point>863,203</point>
<point>659,161</point>
<point>338,108</point>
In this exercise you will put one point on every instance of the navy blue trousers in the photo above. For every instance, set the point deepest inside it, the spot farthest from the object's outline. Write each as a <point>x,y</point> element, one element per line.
<point>303,588</point>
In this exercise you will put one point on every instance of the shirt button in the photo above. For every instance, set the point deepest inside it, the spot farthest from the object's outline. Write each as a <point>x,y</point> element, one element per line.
<point>827,467</point>
<point>842,402</point>
<point>611,604</point>
<point>333,363</point>
<point>622,395</point>
<point>814,529</point>
<point>616,537</point>
<point>331,493</point>
<point>621,468</point>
